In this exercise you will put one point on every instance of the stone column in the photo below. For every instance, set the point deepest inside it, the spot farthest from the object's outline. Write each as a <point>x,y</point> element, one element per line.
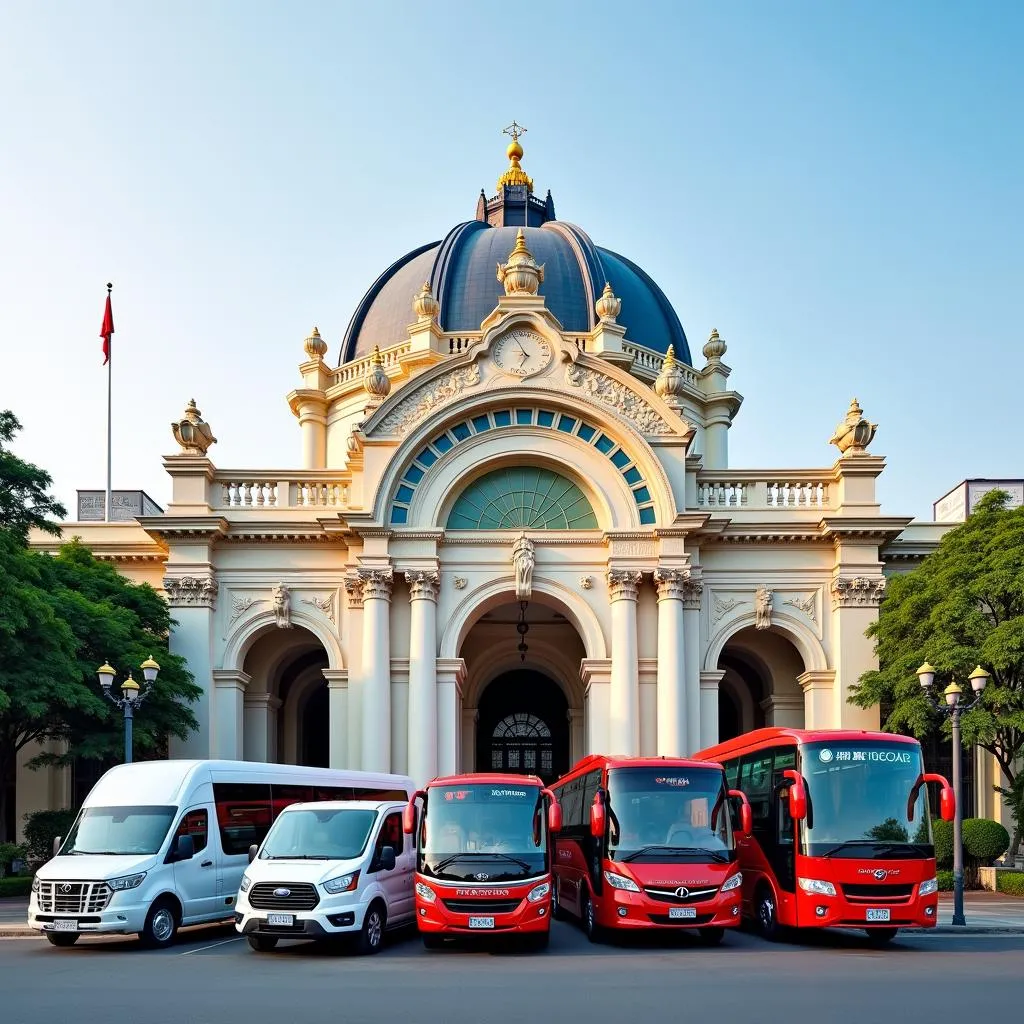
<point>693,590</point>
<point>423,588</point>
<point>337,697</point>
<point>709,708</point>
<point>228,714</point>
<point>470,716</point>
<point>353,628</point>
<point>855,602</point>
<point>817,687</point>
<point>672,738</point>
<point>451,674</point>
<point>193,601</point>
<point>256,711</point>
<point>577,739</point>
<point>376,669</point>
<point>312,412</point>
<point>596,675</point>
<point>624,722</point>
<point>784,711</point>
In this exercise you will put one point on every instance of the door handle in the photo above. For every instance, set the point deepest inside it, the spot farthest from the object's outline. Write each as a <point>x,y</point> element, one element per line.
<point>206,864</point>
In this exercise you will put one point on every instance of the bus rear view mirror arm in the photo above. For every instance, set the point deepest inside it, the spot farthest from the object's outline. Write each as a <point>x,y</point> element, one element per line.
<point>598,819</point>
<point>409,814</point>
<point>797,795</point>
<point>554,812</point>
<point>947,799</point>
<point>746,816</point>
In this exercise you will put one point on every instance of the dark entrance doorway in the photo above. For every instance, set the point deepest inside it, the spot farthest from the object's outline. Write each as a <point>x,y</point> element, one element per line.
<point>523,726</point>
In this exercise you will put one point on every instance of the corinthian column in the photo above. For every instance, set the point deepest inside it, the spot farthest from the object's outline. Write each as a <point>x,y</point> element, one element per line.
<point>624,724</point>
<point>422,716</point>
<point>376,669</point>
<point>693,589</point>
<point>672,711</point>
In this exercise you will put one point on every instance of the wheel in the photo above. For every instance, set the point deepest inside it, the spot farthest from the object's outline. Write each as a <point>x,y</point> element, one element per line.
<point>881,936</point>
<point>62,938</point>
<point>712,936</point>
<point>556,907</point>
<point>766,913</point>
<point>590,925</point>
<point>431,940</point>
<point>262,943</point>
<point>161,925</point>
<point>371,935</point>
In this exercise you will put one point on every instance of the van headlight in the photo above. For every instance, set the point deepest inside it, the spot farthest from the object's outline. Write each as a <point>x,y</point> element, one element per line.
<point>733,883</point>
<point>343,883</point>
<point>816,887</point>
<point>35,883</point>
<point>246,882</point>
<point>927,888</point>
<point>621,882</point>
<point>538,892</point>
<point>425,893</point>
<point>126,881</point>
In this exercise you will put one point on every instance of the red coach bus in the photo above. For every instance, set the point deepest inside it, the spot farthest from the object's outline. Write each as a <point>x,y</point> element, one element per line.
<point>483,857</point>
<point>648,843</point>
<point>841,832</point>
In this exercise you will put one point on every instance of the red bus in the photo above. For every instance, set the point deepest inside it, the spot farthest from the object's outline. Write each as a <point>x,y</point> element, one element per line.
<point>648,843</point>
<point>483,857</point>
<point>841,834</point>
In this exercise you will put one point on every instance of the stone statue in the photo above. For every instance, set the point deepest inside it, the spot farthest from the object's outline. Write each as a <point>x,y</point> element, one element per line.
<point>282,606</point>
<point>524,561</point>
<point>762,608</point>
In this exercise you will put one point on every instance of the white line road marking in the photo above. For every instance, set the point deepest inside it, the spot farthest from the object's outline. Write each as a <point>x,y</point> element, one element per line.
<point>214,945</point>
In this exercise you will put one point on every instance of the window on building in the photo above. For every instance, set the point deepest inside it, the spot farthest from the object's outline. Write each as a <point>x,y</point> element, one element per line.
<point>521,497</point>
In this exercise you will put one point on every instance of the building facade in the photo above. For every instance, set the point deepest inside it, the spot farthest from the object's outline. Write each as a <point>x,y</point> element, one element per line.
<point>515,536</point>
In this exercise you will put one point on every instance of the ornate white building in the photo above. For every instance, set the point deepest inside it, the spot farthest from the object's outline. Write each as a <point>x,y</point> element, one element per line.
<point>515,536</point>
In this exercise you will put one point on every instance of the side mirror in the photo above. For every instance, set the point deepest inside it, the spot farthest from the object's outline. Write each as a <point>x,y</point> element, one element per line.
<point>253,851</point>
<point>185,848</point>
<point>57,840</point>
<point>387,858</point>
<point>554,813</point>
<point>598,819</point>
<point>947,798</point>
<point>746,817</point>
<point>947,804</point>
<point>409,818</point>
<point>797,795</point>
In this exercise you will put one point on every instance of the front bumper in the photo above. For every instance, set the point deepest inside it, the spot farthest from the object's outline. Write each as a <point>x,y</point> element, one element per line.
<point>622,909</point>
<point>838,912</point>
<point>114,919</point>
<point>328,919</point>
<point>526,919</point>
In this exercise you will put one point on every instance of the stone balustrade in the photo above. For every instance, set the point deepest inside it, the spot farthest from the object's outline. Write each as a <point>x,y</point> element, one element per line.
<point>294,490</point>
<point>793,490</point>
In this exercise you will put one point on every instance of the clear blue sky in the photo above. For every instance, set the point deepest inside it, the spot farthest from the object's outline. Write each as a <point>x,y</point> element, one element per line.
<point>837,187</point>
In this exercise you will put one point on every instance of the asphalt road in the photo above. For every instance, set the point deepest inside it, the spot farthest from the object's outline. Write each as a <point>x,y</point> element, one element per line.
<point>211,977</point>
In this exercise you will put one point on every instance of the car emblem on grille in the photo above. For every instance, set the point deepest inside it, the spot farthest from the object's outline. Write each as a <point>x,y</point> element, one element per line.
<point>682,892</point>
<point>481,876</point>
<point>282,893</point>
<point>66,887</point>
<point>880,873</point>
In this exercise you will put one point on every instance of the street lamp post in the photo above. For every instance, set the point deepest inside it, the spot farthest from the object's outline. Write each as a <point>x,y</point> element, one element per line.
<point>953,709</point>
<point>132,696</point>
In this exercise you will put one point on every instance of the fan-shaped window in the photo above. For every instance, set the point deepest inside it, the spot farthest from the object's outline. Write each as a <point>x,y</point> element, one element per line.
<point>522,498</point>
<point>522,742</point>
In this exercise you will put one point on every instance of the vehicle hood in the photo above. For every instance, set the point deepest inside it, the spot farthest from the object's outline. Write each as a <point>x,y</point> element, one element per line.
<point>693,875</point>
<point>94,867</point>
<point>314,871</point>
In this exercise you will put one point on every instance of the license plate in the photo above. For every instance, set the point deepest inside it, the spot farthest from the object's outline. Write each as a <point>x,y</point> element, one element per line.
<point>281,920</point>
<point>64,925</point>
<point>682,913</point>
<point>878,915</point>
<point>481,922</point>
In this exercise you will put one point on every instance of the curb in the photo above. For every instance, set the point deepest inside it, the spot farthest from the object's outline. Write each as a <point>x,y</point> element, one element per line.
<point>948,929</point>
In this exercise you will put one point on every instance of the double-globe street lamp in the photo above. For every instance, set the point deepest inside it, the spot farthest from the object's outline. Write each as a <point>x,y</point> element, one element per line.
<point>132,695</point>
<point>953,709</point>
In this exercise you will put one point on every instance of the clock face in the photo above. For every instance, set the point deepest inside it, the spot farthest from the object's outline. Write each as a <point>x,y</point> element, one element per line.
<point>521,353</point>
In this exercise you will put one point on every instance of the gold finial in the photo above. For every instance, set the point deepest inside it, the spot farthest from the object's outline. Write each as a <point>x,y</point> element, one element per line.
<point>714,347</point>
<point>314,345</point>
<point>670,358</point>
<point>515,175</point>
<point>669,383</point>
<point>424,305</point>
<point>376,382</point>
<point>855,433</point>
<point>192,432</point>
<point>608,306</point>
<point>521,275</point>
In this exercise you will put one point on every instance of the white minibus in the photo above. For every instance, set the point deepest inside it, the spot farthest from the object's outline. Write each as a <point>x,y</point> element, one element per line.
<point>162,844</point>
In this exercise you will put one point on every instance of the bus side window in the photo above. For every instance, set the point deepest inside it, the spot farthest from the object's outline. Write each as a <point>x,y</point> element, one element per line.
<point>755,781</point>
<point>783,759</point>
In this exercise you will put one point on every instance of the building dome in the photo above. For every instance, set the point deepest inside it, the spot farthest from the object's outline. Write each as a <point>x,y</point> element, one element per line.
<point>460,270</point>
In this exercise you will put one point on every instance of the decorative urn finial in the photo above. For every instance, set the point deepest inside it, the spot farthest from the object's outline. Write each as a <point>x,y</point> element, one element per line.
<point>608,306</point>
<point>855,433</point>
<point>376,382</point>
<point>424,305</point>
<point>669,382</point>
<point>192,432</point>
<point>521,275</point>
<point>714,347</point>
<point>314,345</point>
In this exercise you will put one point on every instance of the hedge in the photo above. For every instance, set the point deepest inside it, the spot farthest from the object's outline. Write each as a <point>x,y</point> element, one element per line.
<point>41,828</point>
<point>942,835</point>
<point>985,840</point>
<point>18,885</point>
<point>1010,882</point>
<point>945,879</point>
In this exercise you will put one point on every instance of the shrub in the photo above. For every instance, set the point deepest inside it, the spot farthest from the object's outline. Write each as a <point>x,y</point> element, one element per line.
<point>9,853</point>
<point>945,880</point>
<point>984,840</point>
<point>41,828</point>
<point>942,832</point>
<point>1010,882</point>
<point>18,886</point>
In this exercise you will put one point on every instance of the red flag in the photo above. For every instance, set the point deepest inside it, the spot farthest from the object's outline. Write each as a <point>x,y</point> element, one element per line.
<point>108,327</point>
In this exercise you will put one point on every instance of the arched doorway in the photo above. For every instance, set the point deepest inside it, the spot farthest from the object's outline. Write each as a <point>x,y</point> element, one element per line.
<point>523,726</point>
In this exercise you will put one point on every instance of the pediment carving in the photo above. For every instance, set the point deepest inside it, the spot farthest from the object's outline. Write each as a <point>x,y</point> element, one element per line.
<point>424,398</point>
<point>631,405</point>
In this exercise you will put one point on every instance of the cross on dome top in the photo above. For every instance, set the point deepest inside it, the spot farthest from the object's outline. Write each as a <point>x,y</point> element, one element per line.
<point>515,175</point>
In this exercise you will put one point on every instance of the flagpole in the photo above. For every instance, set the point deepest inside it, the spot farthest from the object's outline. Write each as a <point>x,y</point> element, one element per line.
<point>110,366</point>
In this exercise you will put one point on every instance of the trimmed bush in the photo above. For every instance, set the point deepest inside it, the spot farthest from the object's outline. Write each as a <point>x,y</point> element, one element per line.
<point>945,880</point>
<point>18,886</point>
<point>9,853</point>
<point>41,828</point>
<point>942,832</point>
<point>984,840</point>
<point>1010,882</point>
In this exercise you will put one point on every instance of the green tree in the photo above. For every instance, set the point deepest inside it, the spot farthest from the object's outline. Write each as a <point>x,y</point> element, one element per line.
<point>24,501</point>
<point>963,606</point>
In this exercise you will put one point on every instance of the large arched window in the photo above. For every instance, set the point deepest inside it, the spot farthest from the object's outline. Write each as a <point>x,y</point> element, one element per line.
<point>521,742</point>
<point>521,497</point>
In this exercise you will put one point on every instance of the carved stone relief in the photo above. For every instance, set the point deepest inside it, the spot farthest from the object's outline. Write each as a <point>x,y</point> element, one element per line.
<point>858,591</point>
<point>617,396</point>
<point>427,397</point>
<point>805,604</point>
<point>191,592</point>
<point>281,599</point>
<point>722,606</point>
<point>762,608</point>
<point>324,604</point>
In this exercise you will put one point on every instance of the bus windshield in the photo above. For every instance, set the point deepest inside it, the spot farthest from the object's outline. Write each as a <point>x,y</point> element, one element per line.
<point>483,833</point>
<point>669,815</point>
<point>119,831</point>
<point>857,795</point>
<point>319,834</point>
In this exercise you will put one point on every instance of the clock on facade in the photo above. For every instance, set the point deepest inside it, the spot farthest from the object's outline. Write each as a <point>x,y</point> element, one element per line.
<point>521,353</point>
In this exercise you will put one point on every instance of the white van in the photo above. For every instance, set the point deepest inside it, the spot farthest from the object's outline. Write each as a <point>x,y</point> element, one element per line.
<point>160,844</point>
<point>329,870</point>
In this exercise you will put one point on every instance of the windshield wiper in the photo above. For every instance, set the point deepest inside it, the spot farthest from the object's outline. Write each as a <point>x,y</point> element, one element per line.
<point>298,856</point>
<point>888,847</point>
<point>703,851</point>
<point>441,865</point>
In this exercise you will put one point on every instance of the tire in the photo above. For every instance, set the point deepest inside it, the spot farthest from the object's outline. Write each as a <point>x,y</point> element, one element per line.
<point>431,940</point>
<point>591,928</point>
<point>262,943</point>
<point>62,939</point>
<point>161,925</point>
<point>556,907</point>
<point>766,914</point>
<point>371,935</point>
<point>881,936</point>
<point>712,936</point>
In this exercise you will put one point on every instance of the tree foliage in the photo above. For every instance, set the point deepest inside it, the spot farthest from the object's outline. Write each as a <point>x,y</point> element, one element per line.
<point>24,498</point>
<point>963,606</point>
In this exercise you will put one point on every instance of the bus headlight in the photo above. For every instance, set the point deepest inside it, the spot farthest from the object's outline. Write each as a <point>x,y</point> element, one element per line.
<point>621,882</point>
<point>733,883</point>
<point>425,893</point>
<point>126,882</point>
<point>343,883</point>
<point>817,887</point>
<point>927,888</point>
<point>538,892</point>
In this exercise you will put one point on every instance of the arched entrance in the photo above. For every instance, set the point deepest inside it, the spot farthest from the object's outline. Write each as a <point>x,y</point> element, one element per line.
<point>523,726</point>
